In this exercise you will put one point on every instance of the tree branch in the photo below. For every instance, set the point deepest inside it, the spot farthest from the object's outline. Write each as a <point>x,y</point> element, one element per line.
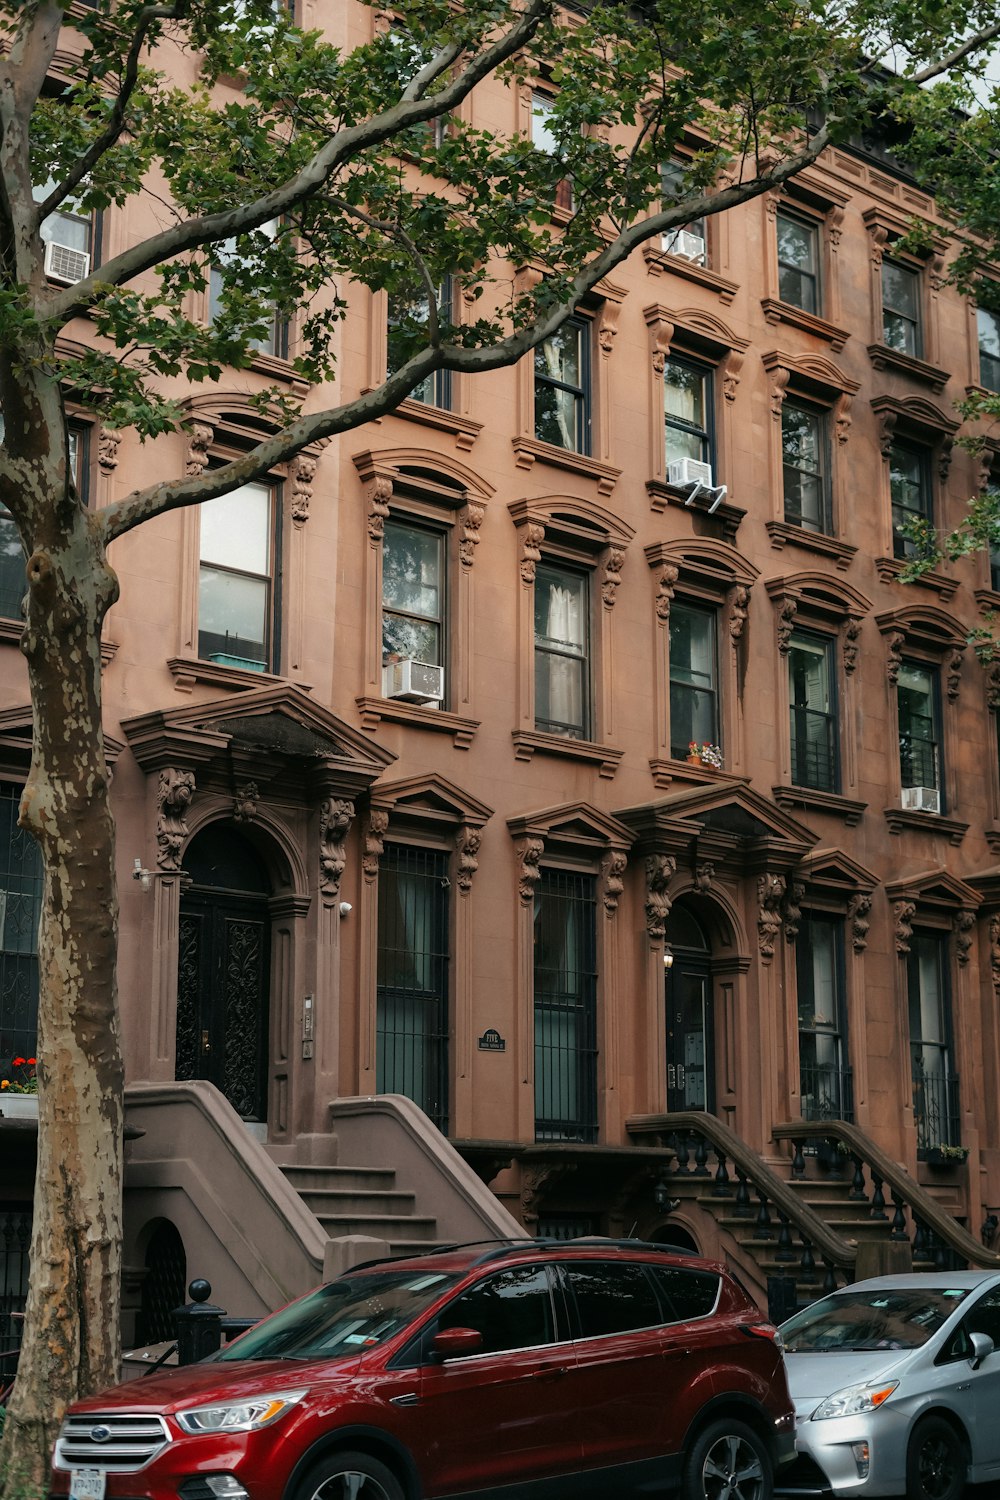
<point>973,43</point>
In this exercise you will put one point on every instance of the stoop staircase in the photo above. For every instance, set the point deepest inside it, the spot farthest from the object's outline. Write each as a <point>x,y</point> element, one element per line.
<point>363,1201</point>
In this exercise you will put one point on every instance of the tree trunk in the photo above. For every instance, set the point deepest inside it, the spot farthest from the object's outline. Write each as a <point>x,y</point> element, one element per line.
<point>71,1334</point>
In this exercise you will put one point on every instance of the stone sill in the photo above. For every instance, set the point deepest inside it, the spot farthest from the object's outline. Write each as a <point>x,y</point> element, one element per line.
<point>187,670</point>
<point>528,451</point>
<point>784,312</point>
<point>527,741</point>
<point>374,709</point>
<point>889,569</point>
<point>784,534</point>
<point>728,516</point>
<point>658,261</point>
<point>884,358</point>
<point>899,818</point>
<point>666,772</point>
<point>463,429</point>
<point>822,802</point>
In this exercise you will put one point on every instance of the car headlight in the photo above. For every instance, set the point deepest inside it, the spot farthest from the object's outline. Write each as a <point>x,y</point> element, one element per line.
<point>853,1401</point>
<point>239,1416</point>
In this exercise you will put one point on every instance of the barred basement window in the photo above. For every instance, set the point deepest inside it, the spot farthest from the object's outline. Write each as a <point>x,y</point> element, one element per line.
<point>565,1005</point>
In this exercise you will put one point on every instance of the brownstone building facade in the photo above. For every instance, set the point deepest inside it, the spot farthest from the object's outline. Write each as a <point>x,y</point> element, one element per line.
<point>564,755</point>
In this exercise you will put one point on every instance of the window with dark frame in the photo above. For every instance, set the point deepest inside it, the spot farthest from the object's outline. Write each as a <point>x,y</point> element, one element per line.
<point>694,678</point>
<point>988,330</point>
<point>434,389</point>
<point>798,261</point>
<point>918,697</point>
<point>543,139</point>
<point>825,1083</point>
<point>275,340</point>
<point>413,592</point>
<point>687,411</point>
<point>237,586</point>
<point>70,239</point>
<point>813,712</point>
<point>804,465</point>
<point>562,651</point>
<point>690,240</point>
<point>562,388</point>
<point>934,1081</point>
<point>21,884</point>
<point>565,1006</point>
<point>901,321</point>
<point>911,492</point>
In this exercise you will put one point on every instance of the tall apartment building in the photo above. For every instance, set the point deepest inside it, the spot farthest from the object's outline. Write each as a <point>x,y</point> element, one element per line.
<point>409,763</point>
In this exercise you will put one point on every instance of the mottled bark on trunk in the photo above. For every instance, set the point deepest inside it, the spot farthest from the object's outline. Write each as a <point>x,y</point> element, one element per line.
<point>70,1345</point>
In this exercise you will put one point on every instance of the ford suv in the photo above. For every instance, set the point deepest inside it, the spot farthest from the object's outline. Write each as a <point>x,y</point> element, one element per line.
<point>530,1370</point>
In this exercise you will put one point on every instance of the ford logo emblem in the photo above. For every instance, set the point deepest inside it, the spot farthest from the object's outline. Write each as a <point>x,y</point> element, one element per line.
<point>100,1434</point>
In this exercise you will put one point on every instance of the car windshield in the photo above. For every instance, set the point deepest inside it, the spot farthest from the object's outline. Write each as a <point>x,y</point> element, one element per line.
<point>881,1318</point>
<point>343,1317</point>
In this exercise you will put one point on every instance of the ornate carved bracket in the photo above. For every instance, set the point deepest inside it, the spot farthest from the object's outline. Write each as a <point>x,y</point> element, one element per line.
<point>660,870</point>
<point>879,235</point>
<point>852,632</point>
<point>704,874</point>
<point>858,911</point>
<point>953,675</point>
<point>108,440</point>
<point>886,431</point>
<point>613,879</point>
<point>176,790</point>
<point>993,686</point>
<point>471,517</point>
<point>666,579</point>
<point>661,333</point>
<point>335,817</point>
<point>467,842</point>
<point>739,610</point>
<point>903,913</point>
<point>375,827</point>
<point>770,894</point>
<point>995,956</point>
<point>842,416</point>
<point>786,623</point>
<point>199,441</point>
<point>245,802</point>
<point>614,561</point>
<point>378,493</point>
<point>730,369</point>
<point>529,853</point>
<point>779,384</point>
<point>303,474</point>
<point>945,452</point>
<point>607,326</point>
<point>963,925</point>
<point>894,641</point>
<point>532,537</point>
<point>791,909</point>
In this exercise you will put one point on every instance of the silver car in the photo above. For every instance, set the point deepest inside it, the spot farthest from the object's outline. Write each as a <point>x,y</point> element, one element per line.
<point>896,1385</point>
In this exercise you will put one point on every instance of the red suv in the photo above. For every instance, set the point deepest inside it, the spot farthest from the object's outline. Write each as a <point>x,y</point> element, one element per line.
<point>523,1370</point>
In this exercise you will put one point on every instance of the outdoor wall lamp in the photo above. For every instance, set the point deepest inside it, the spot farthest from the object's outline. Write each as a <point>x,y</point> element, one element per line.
<point>661,1197</point>
<point>668,956</point>
<point>144,877</point>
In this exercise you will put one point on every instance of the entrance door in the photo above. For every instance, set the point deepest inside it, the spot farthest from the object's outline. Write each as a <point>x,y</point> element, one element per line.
<point>690,1036</point>
<point>222,983</point>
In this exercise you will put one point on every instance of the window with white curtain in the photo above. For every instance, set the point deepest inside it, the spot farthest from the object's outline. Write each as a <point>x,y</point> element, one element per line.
<point>562,651</point>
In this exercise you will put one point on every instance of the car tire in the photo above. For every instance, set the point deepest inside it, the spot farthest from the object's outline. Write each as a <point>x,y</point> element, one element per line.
<point>727,1461</point>
<point>935,1461</point>
<point>349,1476</point>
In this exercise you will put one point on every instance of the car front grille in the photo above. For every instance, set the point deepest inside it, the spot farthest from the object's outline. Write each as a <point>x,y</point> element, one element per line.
<point>120,1442</point>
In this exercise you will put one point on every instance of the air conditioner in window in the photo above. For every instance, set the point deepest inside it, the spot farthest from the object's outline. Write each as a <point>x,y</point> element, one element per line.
<point>62,263</point>
<point>688,246</point>
<point>413,681</point>
<point>921,799</point>
<point>689,471</point>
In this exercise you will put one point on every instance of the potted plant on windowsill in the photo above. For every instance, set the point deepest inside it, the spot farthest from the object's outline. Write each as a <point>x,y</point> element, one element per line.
<point>701,753</point>
<point>19,1088</point>
<point>944,1155</point>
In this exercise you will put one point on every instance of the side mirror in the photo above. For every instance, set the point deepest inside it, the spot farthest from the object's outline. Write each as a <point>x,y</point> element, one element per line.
<point>452,1343</point>
<point>982,1347</point>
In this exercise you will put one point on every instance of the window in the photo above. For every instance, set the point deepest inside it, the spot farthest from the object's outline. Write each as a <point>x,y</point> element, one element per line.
<point>512,1310</point>
<point>911,493</point>
<point>562,388</point>
<point>69,239</point>
<point>901,308</point>
<point>824,1077</point>
<point>917,692</point>
<point>687,1294</point>
<point>804,457</point>
<point>562,651</point>
<point>811,696</point>
<point>413,605</point>
<point>412,1004</point>
<point>935,1086</point>
<point>988,324</point>
<point>565,1005</point>
<point>612,1298</point>
<point>13,581</point>
<point>691,240</point>
<point>20,906</point>
<point>694,692</point>
<point>798,262</point>
<point>995,569</point>
<point>687,409</point>
<point>544,139</point>
<point>275,340</point>
<point>406,314</point>
<point>236,607</point>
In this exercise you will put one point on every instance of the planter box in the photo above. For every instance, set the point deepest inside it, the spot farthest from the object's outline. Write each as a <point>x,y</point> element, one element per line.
<point>936,1158</point>
<point>19,1106</point>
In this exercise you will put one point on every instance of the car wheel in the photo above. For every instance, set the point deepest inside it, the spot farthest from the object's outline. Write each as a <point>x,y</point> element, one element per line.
<point>728,1461</point>
<point>935,1462</point>
<point>349,1476</point>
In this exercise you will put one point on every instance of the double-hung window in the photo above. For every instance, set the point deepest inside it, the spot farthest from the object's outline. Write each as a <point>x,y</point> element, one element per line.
<point>824,1073</point>
<point>69,239</point>
<point>690,241</point>
<point>274,339</point>
<point>804,463</point>
<point>919,710</point>
<point>813,711</point>
<point>562,388</point>
<point>413,602</point>
<point>237,611</point>
<point>543,138</point>
<point>911,492</point>
<point>988,327</point>
<point>405,314</point>
<point>901,320</point>
<point>694,678</point>
<point>687,412</point>
<point>565,1006</point>
<point>798,262</point>
<point>562,651</point>
<point>935,1085</point>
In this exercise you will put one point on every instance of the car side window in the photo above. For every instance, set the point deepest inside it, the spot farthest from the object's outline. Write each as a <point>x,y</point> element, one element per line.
<point>612,1297</point>
<point>982,1317</point>
<point>688,1294</point>
<point>512,1310</point>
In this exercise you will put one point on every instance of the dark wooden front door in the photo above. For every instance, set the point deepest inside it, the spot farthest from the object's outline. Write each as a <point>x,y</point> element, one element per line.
<point>222,996</point>
<point>690,1041</point>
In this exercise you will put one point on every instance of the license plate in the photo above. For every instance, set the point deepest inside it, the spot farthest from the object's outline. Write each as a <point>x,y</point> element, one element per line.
<point>87,1484</point>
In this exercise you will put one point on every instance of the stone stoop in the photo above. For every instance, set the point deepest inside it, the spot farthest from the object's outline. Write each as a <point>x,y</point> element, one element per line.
<point>362,1201</point>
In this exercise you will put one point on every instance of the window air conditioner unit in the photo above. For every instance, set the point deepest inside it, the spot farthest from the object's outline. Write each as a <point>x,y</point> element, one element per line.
<point>413,681</point>
<point>688,246</point>
<point>690,471</point>
<point>921,799</point>
<point>64,264</point>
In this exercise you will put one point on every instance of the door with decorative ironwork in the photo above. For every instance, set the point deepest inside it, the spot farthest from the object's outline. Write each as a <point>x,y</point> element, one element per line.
<point>222,996</point>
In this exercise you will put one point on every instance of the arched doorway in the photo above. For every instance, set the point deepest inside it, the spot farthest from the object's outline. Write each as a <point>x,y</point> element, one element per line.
<point>224,969</point>
<point>690,1027</point>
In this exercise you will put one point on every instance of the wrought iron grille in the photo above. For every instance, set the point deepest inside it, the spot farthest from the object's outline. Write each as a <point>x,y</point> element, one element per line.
<point>412,1021</point>
<point>827,1093</point>
<point>567,1226</point>
<point>20,906</point>
<point>566,1007</point>
<point>918,752</point>
<point>813,755</point>
<point>163,1285</point>
<point>935,1105</point>
<point>15,1241</point>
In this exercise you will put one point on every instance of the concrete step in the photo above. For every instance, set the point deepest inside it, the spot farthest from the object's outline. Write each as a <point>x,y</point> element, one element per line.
<point>364,1179</point>
<point>418,1229</point>
<point>362,1204</point>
